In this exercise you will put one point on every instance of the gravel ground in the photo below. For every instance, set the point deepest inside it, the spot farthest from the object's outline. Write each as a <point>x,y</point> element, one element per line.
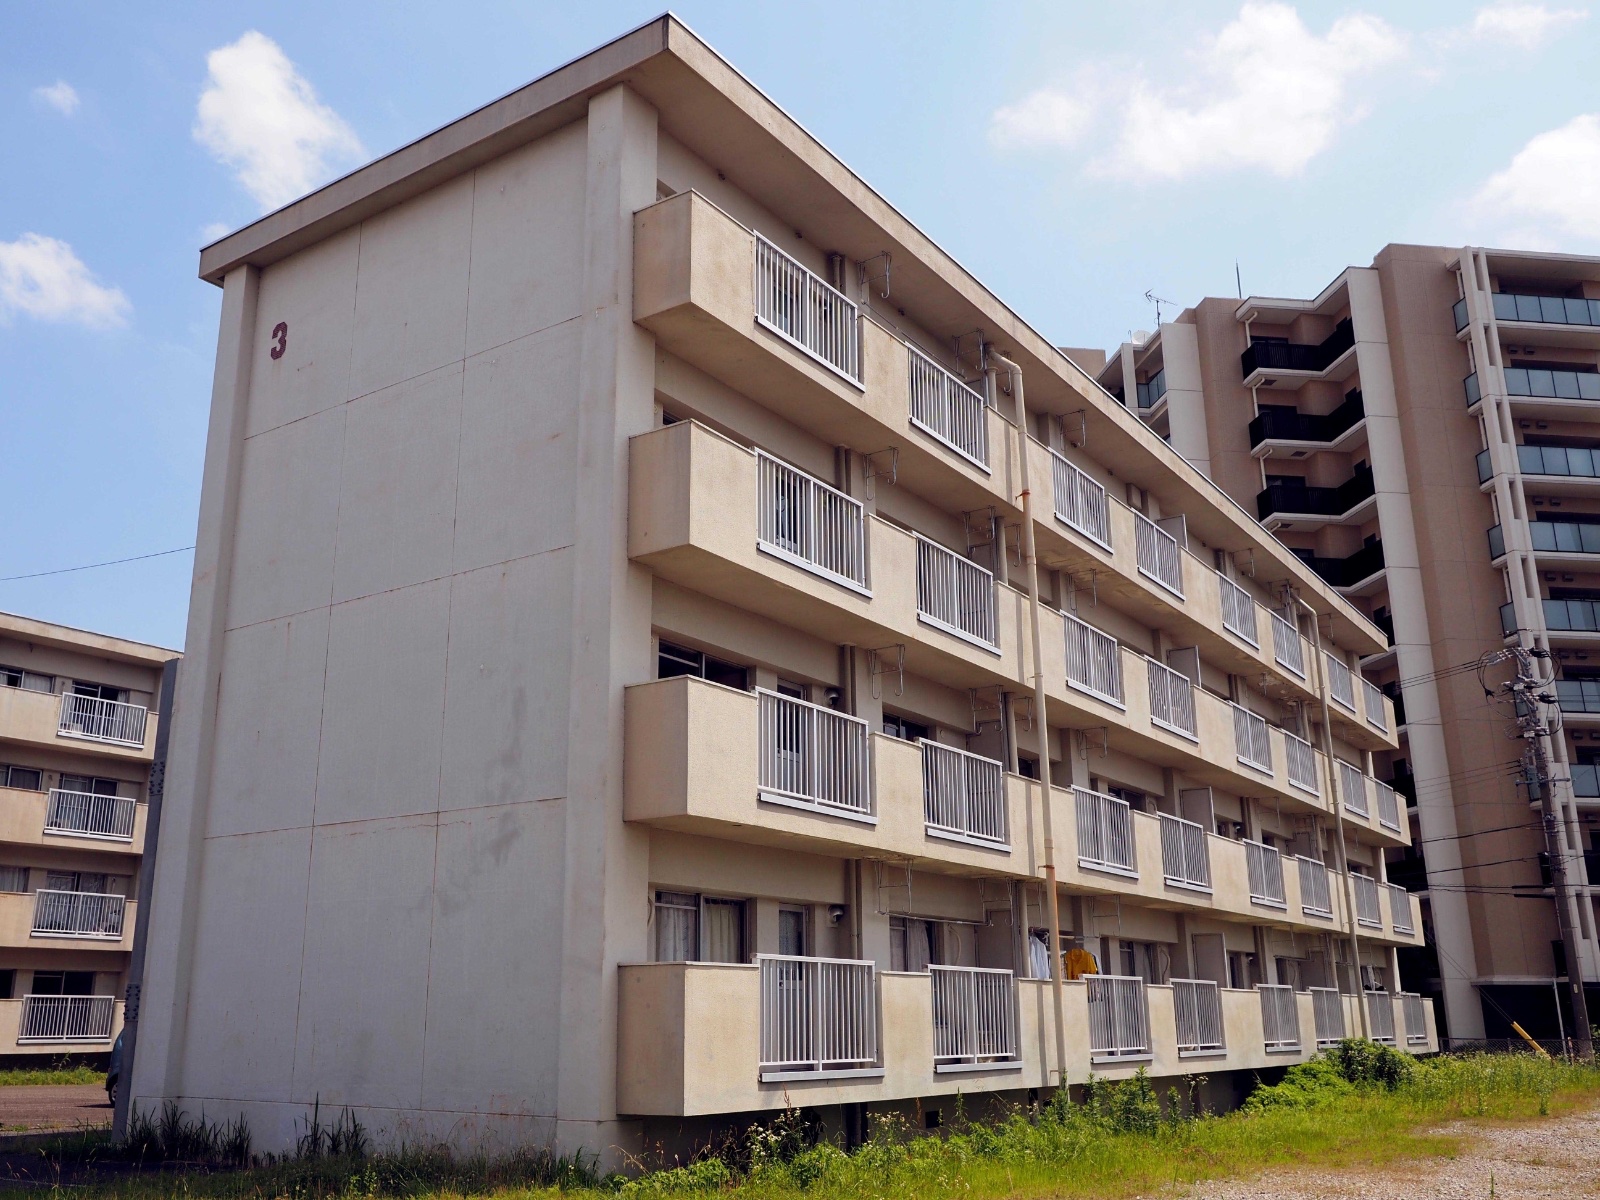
<point>53,1106</point>
<point>1538,1159</point>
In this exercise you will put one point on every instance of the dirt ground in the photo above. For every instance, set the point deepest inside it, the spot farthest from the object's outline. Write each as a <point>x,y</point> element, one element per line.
<point>1542,1159</point>
<point>53,1106</point>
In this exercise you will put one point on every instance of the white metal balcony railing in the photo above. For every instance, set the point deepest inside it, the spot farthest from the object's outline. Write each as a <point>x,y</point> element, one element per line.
<point>963,795</point>
<point>1252,743</point>
<point>1365,888</point>
<point>804,521</point>
<point>813,757</point>
<point>1171,699</point>
<point>1399,909</point>
<point>1388,805</point>
<point>1380,1016</point>
<point>85,814</point>
<point>1353,788</point>
<point>1288,651</point>
<point>1411,1005</point>
<point>1094,663</point>
<point>1238,611</point>
<point>1185,855</point>
<point>1372,703</point>
<point>1264,866</point>
<point>97,720</point>
<point>1327,1010</point>
<point>1157,555</point>
<point>1300,763</point>
<point>817,1014</point>
<point>66,1019</point>
<point>1080,502</point>
<point>1280,1016</point>
<point>1341,683</point>
<point>90,915</point>
<point>1197,1008</point>
<point>800,308</point>
<point>956,595</point>
<point>1105,833</point>
<point>948,410</point>
<point>1316,896</point>
<point>1119,1017</point>
<point>974,1016</point>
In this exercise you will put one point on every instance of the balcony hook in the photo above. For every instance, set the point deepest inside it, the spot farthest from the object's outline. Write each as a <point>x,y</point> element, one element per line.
<point>1083,428</point>
<point>1019,718</point>
<point>983,348</point>
<point>875,470</point>
<point>1250,563</point>
<point>881,886</point>
<point>1105,741</point>
<point>866,277</point>
<point>985,700</point>
<point>876,667</point>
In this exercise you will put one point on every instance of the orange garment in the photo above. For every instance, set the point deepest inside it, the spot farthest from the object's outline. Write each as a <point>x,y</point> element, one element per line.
<point>1078,962</point>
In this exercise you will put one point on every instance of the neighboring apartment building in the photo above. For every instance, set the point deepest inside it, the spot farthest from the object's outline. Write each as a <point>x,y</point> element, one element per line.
<point>1424,434</point>
<point>77,733</point>
<point>610,701</point>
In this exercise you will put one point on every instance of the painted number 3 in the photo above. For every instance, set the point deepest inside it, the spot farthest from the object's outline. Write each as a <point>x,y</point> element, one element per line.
<point>280,338</point>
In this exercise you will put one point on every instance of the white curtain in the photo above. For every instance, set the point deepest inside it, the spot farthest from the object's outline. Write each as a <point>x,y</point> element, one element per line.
<point>1038,956</point>
<point>676,927</point>
<point>723,931</point>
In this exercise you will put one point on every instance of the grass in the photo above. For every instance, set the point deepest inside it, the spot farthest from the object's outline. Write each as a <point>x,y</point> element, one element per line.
<point>33,1076</point>
<point>1360,1103</point>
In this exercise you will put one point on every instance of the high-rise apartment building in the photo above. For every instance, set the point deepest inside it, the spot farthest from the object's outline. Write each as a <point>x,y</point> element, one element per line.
<point>1425,434</point>
<point>77,733</point>
<point>620,699</point>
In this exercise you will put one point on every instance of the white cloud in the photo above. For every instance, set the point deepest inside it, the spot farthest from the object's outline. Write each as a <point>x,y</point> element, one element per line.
<point>60,95</point>
<point>215,232</point>
<point>1519,24</point>
<point>1264,92</point>
<point>261,117</point>
<point>41,277</point>
<point>1049,117</point>
<point>1548,196</point>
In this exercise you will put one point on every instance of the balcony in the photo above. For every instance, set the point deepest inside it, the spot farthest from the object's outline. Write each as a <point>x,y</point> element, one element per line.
<point>1197,1009</point>
<point>1586,786</point>
<point>1279,355</point>
<point>1316,897</point>
<point>1542,310</point>
<point>1238,611</point>
<point>816,527</point>
<point>1185,854</point>
<point>1400,909</point>
<point>1552,539</point>
<point>1252,742</point>
<point>1560,616</point>
<point>94,916</point>
<point>1578,697</point>
<point>1094,661</point>
<point>1157,554</point>
<point>803,310</point>
<point>95,720</point>
<point>1080,502</point>
<point>1380,1016</point>
<point>87,815</point>
<point>1265,866</point>
<point>1341,683</point>
<point>819,1018</point>
<point>1284,423</point>
<point>1576,463</point>
<point>1119,1019</point>
<point>1368,911</point>
<point>1288,651</point>
<point>1171,700</point>
<point>1350,572</point>
<point>66,1020</point>
<point>956,595</point>
<point>964,796</point>
<point>1280,1018</point>
<point>1152,392</point>
<point>1327,1009</point>
<point>813,758</point>
<point>974,1019</point>
<point>1105,833</point>
<point>949,411</point>
<point>1300,760</point>
<point>1289,502</point>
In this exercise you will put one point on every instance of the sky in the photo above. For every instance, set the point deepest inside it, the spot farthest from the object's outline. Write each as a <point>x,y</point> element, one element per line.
<point>1073,156</point>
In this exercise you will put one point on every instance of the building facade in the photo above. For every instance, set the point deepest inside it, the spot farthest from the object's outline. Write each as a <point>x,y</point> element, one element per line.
<point>77,733</point>
<point>1422,434</point>
<point>660,627</point>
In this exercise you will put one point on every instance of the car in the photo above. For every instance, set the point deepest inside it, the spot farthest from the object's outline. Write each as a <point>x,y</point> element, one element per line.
<point>114,1069</point>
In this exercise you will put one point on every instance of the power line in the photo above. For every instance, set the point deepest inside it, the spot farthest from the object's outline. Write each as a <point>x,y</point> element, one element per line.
<point>91,566</point>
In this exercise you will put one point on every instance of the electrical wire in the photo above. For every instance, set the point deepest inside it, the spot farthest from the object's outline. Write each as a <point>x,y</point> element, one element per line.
<point>115,562</point>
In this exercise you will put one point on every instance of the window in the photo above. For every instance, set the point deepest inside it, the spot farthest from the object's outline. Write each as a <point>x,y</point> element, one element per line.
<point>792,931</point>
<point>1137,801</point>
<point>28,681</point>
<point>22,778</point>
<point>13,879</point>
<point>100,691</point>
<point>63,983</point>
<point>694,928</point>
<point>8,985</point>
<point>914,944</point>
<point>904,728</point>
<point>1242,970</point>
<point>89,783</point>
<point>791,689</point>
<point>75,881</point>
<point>679,660</point>
<point>1150,961</point>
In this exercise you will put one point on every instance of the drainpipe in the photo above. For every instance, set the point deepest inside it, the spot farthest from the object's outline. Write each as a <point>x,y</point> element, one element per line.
<point>1338,818</point>
<point>1031,556</point>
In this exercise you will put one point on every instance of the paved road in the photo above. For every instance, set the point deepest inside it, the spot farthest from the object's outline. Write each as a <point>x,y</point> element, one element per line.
<point>1537,1160</point>
<point>53,1106</point>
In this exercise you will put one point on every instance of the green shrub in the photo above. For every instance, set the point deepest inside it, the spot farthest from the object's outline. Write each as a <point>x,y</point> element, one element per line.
<point>1366,1064</point>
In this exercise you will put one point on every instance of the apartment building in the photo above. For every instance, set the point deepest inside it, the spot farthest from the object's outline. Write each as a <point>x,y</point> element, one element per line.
<point>77,733</point>
<point>621,699</point>
<point>1422,434</point>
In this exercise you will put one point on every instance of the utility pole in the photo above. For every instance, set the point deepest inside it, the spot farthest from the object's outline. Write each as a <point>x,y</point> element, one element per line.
<point>1531,697</point>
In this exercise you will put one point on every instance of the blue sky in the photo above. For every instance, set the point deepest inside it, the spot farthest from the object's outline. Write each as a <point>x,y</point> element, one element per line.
<point>1073,156</point>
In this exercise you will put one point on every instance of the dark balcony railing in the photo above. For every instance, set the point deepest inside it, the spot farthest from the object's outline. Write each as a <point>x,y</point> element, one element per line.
<point>1586,784</point>
<point>1578,695</point>
<point>1578,462</point>
<point>1398,699</point>
<point>1150,393</point>
<point>1346,572</point>
<point>1546,310</point>
<point>1280,354</point>
<point>1552,537</point>
<point>1284,423</point>
<point>1384,620</point>
<point>1320,501</point>
<point>1542,383</point>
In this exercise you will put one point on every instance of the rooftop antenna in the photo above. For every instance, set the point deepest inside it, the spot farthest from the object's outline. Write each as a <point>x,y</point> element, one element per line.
<point>1238,280</point>
<point>1158,301</point>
